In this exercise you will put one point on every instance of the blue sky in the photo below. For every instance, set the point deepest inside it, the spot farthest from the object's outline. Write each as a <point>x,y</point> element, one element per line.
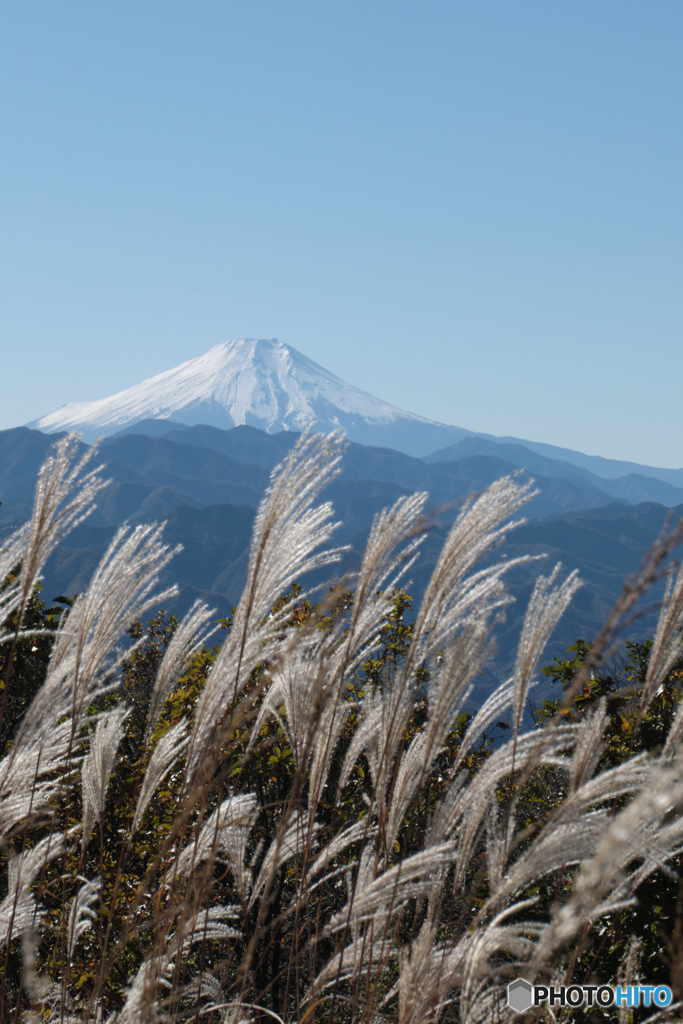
<point>471,209</point>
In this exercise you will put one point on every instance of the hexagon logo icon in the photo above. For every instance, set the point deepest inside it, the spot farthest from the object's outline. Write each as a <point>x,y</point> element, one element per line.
<point>520,995</point>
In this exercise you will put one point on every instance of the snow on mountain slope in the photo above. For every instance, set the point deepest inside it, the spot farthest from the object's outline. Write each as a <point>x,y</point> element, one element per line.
<point>264,384</point>
<point>272,386</point>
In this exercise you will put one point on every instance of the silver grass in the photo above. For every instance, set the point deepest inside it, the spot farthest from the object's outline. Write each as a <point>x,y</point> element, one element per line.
<point>478,528</point>
<point>189,637</point>
<point>418,984</point>
<point>286,846</point>
<point>203,985</point>
<point>493,708</point>
<point>312,714</point>
<point>298,687</point>
<point>37,986</point>
<point>675,733</point>
<point>141,1003</point>
<point>19,913</point>
<point>428,970</point>
<point>81,914</point>
<point>207,925</point>
<point>500,831</point>
<point>488,1004</point>
<point>306,694</point>
<point>589,747</point>
<point>224,831</point>
<point>451,685</point>
<point>168,750</point>
<point>629,972</point>
<point>383,717</point>
<point>64,497</point>
<point>84,659</point>
<point>10,557</point>
<point>234,839</point>
<point>626,838</point>
<point>98,764</point>
<point>384,560</point>
<point>368,867</point>
<point>365,736</point>
<point>622,779</point>
<point>311,676</point>
<point>546,606</point>
<point>635,586</point>
<point>452,598</point>
<point>390,890</point>
<point>444,818</point>
<point>356,832</point>
<point>663,843</point>
<point>429,976</point>
<point>407,782</point>
<point>390,551</point>
<point>668,641</point>
<point>347,964</point>
<point>367,946</point>
<point>471,806</point>
<point>23,869</point>
<point>565,845</point>
<point>122,590</point>
<point>287,531</point>
<point>517,939</point>
<point>332,720</point>
<point>31,774</point>
<point>140,1006</point>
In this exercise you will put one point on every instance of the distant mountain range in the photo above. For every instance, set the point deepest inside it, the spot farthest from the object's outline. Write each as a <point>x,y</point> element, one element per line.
<point>630,487</point>
<point>202,465</point>
<point>206,483</point>
<point>271,386</point>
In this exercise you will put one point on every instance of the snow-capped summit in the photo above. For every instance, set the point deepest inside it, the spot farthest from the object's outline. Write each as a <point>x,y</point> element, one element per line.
<point>264,384</point>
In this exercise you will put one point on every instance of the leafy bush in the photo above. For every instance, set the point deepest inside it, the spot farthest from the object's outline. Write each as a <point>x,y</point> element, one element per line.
<point>302,821</point>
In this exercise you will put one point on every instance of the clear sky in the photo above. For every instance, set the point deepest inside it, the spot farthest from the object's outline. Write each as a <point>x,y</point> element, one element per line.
<point>472,209</point>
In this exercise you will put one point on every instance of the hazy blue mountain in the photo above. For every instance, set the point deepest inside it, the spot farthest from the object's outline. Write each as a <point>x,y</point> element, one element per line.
<point>636,488</point>
<point>632,487</point>
<point>151,428</point>
<point>518,454</point>
<point>22,453</point>
<point>605,545</point>
<point>610,469</point>
<point>244,444</point>
<point>208,497</point>
<point>446,483</point>
<point>150,476</point>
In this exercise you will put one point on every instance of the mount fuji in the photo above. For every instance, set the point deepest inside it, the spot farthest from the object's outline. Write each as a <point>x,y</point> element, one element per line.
<point>264,384</point>
<point>273,387</point>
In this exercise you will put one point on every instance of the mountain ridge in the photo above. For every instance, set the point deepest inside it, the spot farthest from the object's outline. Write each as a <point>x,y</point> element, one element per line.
<point>208,498</point>
<point>269,385</point>
<point>630,487</point>
<point>256,382</point>
<point>204,465</point>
